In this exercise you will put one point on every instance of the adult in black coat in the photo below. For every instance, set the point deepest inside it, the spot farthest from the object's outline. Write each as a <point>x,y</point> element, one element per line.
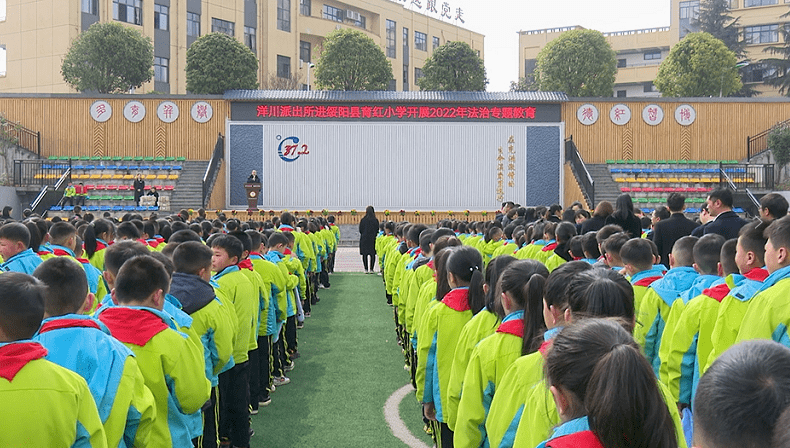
<point>139,188</point>
<point>368,229</point>
<point>727,223</point>
<point>624,216</point>
<point>598,219</point>
<point>669,230</point>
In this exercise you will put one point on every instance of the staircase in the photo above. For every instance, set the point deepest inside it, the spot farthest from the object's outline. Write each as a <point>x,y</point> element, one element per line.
<point>606,189</point>
<point>188,191</point>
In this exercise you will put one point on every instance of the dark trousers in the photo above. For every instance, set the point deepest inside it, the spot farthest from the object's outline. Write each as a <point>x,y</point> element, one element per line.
<point>210,437</point>
<point>279,355</point>
<point>254,377</point>
<point>290,335</point>
<point>265,367</point>
<point>371,263</point>
<point>234,413</point>
<point>330,263</point>
<point>323,276</point>
<point>442,435</point>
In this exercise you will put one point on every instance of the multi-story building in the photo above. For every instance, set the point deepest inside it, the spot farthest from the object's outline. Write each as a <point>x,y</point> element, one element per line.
<point>640,52</point>
<point>285,35</point>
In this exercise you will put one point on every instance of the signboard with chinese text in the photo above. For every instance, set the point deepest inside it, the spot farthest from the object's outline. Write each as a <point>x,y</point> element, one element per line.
<point>167,111</point>
<point>256,111</point>
<point>685,115</point>
<point>620,114</point>
<point>587,114</point>
<point>101,111</point>
<point>653,114</point>
<point>134,111</point>
<point>439,8</point>
<point>201,112</point>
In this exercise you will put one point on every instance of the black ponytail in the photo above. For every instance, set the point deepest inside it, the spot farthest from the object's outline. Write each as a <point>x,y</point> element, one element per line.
<point>601,293</point>
<point>466,264</point>
<point>600,364</point>
<point>493,273</point>
<point>524,281</point>
<point>92,231</point>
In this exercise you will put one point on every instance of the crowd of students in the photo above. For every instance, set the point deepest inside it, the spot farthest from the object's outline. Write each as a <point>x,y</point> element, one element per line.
<point>152,332</point>
<point>541,329</point>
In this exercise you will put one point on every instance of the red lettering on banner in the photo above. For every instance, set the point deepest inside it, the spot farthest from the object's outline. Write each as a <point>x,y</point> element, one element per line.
<point>507,113</point>
<point>460,112</point>
<point>308,111</point>
<point>321,112</point>
<point>343,111</point>
<point>285,111</point>
<point>378,112</point>
<point>529,112</point>
<point>262,111</point>
<point>297,111</point>
<point>496,112</point>
<point>331,112</point>
<point>354,112</point>
<point>474,112</point>
<point>485,112</point>
<point>400,111</point>
<point>389,112</point>
<point>412,112</point>
<point>425,112</point>
<point>518,112</point>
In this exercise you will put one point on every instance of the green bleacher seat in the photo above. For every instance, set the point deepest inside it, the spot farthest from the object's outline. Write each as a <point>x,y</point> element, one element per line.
<point>116,198</point>
<point>693,162</point>
<point>672,162</point>
<point>656,200</point>
<point>52,157</point>
<point>661,162</point>
<point>173,159</point>
<point>159,159</point>
<point>128,198</point>
<point>138,158</point>
<point>640,200</point>
<point>642,162</point>
<point>127,158</point>
<point>620,162</point>
<point>148,159</point>
<point>117,158</point>
<point>651,162</point>
<point>181,159</point>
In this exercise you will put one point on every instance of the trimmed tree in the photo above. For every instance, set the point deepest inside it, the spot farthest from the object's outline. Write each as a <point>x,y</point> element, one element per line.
<point>781,61</point>
<point>217,62</point>
<point>699,65</point>
<point>579,62</point>
<point>109,58</point>
<point>453,66</point>
<point>350,60</point>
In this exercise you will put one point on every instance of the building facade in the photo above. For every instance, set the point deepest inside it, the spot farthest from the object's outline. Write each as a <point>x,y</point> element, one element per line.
<point>640,52</point>
<point>285,35</point>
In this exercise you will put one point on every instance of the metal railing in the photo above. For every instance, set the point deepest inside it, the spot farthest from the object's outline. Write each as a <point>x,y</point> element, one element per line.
<point>757,144</point>
<point>28,173</point>
<point>742,176</point>
<point>21,136</point>
<point>752,198</point>
<point>212,170</point>
<point>580,171</point>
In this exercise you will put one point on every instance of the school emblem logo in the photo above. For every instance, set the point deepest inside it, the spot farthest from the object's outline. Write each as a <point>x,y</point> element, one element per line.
<point>289,148</point>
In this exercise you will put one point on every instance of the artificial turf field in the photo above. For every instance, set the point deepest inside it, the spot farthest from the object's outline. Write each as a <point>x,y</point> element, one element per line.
<point>350,364</point>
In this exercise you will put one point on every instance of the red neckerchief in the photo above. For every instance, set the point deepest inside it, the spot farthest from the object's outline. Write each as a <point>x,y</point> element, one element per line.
<point>245,264</point>
<point>60,253</point>
<point>577,258</point>
<point>583,439</point>
<point>83,260</point>
<point>758,274</point>
<point>718,292</point>
<point>41,253</point>
<point>256,253</point>
<point>647,281</point>
<point>432,265</point>
<point>152,242</point>
<point>287,252</point>
<point>331,224</point>
<point>132,326</point>
<point>544,347</point>
<point>514,327</point>
<point>57,324</point>
<point>100,246</point>
<point>144,242</point>
<point>160,240</point>
<point>457,299</point>
<point>549,247</point>
<point>13,357</point>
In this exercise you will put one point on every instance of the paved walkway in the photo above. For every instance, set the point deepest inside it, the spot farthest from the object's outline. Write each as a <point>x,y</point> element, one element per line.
<point>347,259</point>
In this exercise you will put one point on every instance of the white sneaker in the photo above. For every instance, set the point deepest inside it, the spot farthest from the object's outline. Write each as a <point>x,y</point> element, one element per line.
<point>281,381</point>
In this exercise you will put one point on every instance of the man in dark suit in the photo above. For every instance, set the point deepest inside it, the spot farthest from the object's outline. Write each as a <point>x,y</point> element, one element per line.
<point>669,230</point>
<point>727,223</point>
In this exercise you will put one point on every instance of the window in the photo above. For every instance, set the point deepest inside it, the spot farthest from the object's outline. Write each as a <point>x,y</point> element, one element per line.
<point>284,15</point>
<point>223,26</point>
<point>689,10</point>
<point>758,73</point>
<point>621,63</point>
<point>304,51</point>
<point>283,66</point>
<point>417,74</point>
<point>652,55</point>
<point>420,41</point>
<point>391,45</point>
<point>249,39</point>
<point>305,7</point>
<point>750,3</point>
<point>161,17</point>
<point>356,19</point>
<point>649,87</point>
<point>529,65</point>
<point>161,70</point>
<point>332,13</point>
<point>2,60</point>
<point>405,77</point>
<point>435,42</point>
<point>193,24</point>
<point>621,94</point>
<point>2,10</point>
<point>406,45</point>
<point>761,34</point>
<point>129,11</point>
<point>393,85</point>
<point>88,7</point>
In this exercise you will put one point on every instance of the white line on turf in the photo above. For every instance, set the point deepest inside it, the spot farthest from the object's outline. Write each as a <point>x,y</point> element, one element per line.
<point>392,416</point>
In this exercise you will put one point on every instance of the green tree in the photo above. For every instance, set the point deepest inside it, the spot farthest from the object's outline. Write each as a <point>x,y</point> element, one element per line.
<point>217,62</point>
<point>453,67</point>
<point>779,142</point>
<point>525,84</point>
<point>699,65</point>
<point>781,61</point>
<point>109,58</point>
<point>579,63</point>
<point>350,60</point>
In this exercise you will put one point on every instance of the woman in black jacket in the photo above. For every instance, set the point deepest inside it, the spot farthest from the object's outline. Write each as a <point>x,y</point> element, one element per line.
<point>598,219</point>
<point>368,229</point>
<point>624,216</point>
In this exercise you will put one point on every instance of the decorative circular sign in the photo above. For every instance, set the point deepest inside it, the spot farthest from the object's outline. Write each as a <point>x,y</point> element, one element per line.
<point>167,111</point>
<point>101,111</point>
<point>587,114</point>
<point>653,114</point>
<point>620,114</point>
<point>134,111</point>
<point>685,115</point>
<point>202,112</point>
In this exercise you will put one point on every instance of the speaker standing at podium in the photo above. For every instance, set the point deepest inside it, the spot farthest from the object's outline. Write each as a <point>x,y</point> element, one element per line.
<point>254,179</point>
<point>253,189</point>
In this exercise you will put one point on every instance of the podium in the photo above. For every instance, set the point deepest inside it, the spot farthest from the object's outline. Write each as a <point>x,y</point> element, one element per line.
<point>253,191</point>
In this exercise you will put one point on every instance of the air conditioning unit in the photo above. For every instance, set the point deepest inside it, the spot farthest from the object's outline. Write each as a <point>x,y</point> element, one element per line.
<point>352,15</point>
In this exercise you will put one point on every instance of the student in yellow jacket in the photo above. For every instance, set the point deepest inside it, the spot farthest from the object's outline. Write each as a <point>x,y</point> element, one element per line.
<point>439,333</point>
<point>482,325</point>
<point>637,257</point>
<point>96,239</point>
<point>518,334</point>
<point>172,365</point>
<point>517,381</point>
